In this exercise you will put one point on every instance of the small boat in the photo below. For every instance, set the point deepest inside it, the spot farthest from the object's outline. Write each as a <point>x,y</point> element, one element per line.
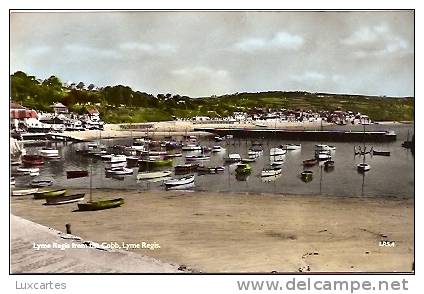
<point>32,171</point>
<point>118,158</point>
<point>310,162</point>
<point>248,160</point>
<point>243,169</point>
<point>191,147</point>
<point>179,181</point>
<point>380,152</point>
<point>154,153</point>
<point>172,155</point>
<point>323,155</point>
<point>363,167</point>
<point>180,187</point>
<point>12,181</point>
<point>271,172</point>
<point>15,162</point>
<point>46,152</point>
<point>41,183</point>
<point>120,171</point>
<point>49,193</point>
<point>270,178</point>
<point>218,138</point>
<point>233,158</point>
<point>101,204</point>
<point>291,146</point>
<point>323,147</point>
<point>153,175</point>
<point>186,168</point>
<point>64,199</point>
<point>92,145</point>
<point>217,149</point>
<point>277,152</point>
<point>72,174</point>
<point>32,160</point>
<point>306,175</point>
<point>197,157</point>
<point>24,192</point>
<point>110,165</point>
<point>329,164</point>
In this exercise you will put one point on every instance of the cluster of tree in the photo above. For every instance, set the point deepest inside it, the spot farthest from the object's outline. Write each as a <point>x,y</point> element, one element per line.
<point>40,94</point>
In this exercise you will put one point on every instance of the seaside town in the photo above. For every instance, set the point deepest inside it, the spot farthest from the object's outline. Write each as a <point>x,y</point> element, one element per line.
<point>261,181</point>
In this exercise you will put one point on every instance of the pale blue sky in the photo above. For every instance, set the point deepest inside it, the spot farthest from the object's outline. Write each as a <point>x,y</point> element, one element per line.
<point>206,53</point>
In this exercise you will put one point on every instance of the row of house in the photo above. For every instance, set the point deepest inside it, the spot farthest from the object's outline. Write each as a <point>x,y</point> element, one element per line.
<point>26,120</point>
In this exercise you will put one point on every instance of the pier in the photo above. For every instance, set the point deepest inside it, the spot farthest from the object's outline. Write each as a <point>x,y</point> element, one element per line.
<point>305,135</point>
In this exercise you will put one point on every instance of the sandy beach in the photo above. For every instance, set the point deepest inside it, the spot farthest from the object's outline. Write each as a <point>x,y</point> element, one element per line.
<point>236,232</point>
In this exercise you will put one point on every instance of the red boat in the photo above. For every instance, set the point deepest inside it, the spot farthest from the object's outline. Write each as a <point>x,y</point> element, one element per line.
<point>310,162</point>
<point>32,160</point>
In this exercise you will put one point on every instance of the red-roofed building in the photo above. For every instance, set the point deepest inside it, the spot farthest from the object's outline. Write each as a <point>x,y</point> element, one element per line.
<point>19,114</point>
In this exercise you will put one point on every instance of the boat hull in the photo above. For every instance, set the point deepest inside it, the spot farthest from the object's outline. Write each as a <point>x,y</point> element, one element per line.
<point>101,204</point>
<point>64,199</point>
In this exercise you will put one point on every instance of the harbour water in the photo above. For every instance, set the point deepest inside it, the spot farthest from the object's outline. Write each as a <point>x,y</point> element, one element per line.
<point>391,176</point>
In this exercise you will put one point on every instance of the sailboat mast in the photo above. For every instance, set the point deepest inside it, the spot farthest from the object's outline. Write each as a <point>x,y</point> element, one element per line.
<point>91,180</point>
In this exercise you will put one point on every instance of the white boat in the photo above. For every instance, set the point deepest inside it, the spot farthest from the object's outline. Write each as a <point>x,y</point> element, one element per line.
<point>277,163</point>
<point>12,181</point>
<point>191,147</point>
<point>155,153</point>
<point>120,164</point>
<point>24,192</point>
<point>291,146</point>
<point>153,175</point>
<point>180,187</point>
<point>277,152</point>
<point>118,158</point>
<point>271,172</point>
<point>180,181</point>
<point>363,167</point>
<point>92,145</point>
<point>217,149</point>
<point>41,183</point>
<point>197,157</point>
<point>49,153</point>
<point>323,155</point>
<point>323,147</point>
<point>233,158</point>
<point>120,171</point>
<point>31,170</point>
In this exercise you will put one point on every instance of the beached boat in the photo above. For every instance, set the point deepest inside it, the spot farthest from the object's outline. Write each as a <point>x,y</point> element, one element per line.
<point>271,172</point>
<point>32,160</point>
<point>64,199</point>
<point>380,152</point>
<point>291,146</point>
<point>47,152</point>
<point>120,171</point>
<point>72,174</point>
<point>217,149</point>
<point>196,157</point>
<point>186,168</point>
<point>179,181</point>
<point>49,193</point>
<point>243,169</point>
<point>101,204</point>
<point>24,192</point>
<point>306,176</point>
<point>153,175</point>
<point>277,152</point>
<point>363,167</point>
<point>310,162</point>
<point>147,163</point>
<point>233,158</point>
<point>180,187</point>
<point>191,147</point>
<point>37,183</point>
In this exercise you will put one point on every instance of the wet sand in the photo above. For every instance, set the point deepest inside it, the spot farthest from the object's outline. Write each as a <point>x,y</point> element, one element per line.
<point>235,232</point>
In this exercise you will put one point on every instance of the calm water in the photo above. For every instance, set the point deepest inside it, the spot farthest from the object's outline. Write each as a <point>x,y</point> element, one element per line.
<point>389,176</point>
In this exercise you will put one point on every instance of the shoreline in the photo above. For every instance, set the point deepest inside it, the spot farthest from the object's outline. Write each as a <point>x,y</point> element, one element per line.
<point>249,232</point>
